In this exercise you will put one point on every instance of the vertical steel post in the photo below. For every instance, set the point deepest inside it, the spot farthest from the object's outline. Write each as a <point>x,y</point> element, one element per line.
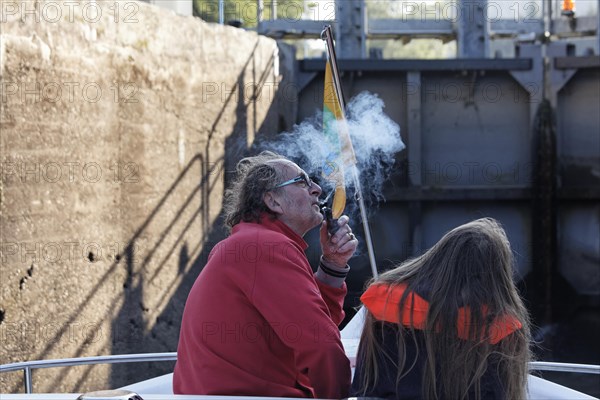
<point>221,12</point>
<point>350,35</point>
<point>273,9</point>
<point>473,29</point>
<point>259,11</point>
<point>28,380</point>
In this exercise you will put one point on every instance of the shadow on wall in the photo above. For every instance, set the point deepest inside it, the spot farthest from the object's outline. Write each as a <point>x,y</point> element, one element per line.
<point>179,247</point>
<point>130,334</point>
<point>130,330</point>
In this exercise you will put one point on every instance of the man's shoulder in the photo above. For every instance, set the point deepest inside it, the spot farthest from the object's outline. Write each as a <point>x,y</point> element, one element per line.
<point>256,243</point>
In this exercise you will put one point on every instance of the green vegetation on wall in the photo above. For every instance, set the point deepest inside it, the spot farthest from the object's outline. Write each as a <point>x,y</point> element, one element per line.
<point>246,11</point>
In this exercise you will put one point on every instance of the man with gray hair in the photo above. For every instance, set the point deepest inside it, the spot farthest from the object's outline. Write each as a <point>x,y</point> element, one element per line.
<point>257,321</point>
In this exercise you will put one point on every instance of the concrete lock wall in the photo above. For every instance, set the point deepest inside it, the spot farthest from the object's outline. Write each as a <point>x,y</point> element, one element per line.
<point>118,120</point>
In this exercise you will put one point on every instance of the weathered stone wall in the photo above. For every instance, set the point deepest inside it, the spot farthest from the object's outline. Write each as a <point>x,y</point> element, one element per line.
<point>117,121</point>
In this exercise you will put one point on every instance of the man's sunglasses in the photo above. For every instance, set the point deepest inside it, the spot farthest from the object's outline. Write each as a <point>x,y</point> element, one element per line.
<point>303,178</point>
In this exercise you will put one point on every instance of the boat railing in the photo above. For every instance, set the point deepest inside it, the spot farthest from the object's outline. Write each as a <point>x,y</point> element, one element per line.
<point>28,366</point>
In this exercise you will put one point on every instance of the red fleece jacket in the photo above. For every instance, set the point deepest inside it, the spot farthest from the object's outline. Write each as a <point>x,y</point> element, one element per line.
<point>257,322</point>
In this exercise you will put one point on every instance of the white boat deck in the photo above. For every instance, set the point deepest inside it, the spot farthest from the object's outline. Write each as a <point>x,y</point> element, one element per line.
<point>160,388</point>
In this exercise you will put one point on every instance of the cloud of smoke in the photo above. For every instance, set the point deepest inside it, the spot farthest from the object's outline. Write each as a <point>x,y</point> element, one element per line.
<point>375,138</point>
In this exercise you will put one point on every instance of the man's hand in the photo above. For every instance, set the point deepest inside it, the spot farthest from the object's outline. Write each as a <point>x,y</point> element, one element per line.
<point>340,247</point>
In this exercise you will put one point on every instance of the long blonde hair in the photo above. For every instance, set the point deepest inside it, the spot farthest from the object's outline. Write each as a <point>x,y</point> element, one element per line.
<point>471,266</point>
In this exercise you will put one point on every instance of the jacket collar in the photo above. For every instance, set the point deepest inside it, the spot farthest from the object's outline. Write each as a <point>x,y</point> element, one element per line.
<point>267,221</point>
<point>383,301</point>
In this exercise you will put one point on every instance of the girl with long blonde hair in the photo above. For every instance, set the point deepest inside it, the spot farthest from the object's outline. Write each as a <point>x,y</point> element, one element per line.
<point>449,324</point>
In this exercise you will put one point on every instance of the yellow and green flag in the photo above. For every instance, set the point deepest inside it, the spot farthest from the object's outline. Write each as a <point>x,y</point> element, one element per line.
<point>341,154</point>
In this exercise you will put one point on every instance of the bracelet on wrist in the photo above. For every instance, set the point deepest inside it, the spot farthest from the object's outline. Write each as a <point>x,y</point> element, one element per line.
<point>333,272</point>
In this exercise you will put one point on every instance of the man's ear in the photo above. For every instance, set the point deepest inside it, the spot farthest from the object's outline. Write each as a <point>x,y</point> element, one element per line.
<point>272,203</point>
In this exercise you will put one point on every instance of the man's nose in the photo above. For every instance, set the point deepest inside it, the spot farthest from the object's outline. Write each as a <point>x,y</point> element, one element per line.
<point>315,189</point>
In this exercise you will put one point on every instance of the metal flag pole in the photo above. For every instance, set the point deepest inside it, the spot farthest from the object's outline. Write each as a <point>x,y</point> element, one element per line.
<point>327,36</point>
